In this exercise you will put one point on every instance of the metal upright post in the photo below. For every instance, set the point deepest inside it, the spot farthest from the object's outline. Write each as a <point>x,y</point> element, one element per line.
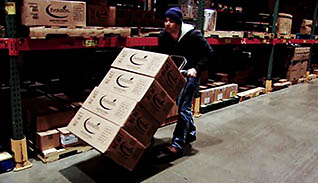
<point>312,35</point>
<point>271,58</point>
<point>201,15</point>
<point>18,141</point>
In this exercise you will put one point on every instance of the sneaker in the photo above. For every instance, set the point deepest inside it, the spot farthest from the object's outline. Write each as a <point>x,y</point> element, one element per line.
<point>174,151</point>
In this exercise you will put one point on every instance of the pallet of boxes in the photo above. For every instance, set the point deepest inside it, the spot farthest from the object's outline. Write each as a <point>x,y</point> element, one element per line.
<point>46,118</point>
<point>298,64</point>
<point>121,115</point>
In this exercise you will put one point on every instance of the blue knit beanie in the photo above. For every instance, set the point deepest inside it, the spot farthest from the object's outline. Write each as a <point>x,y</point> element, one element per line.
<point>174,14</point>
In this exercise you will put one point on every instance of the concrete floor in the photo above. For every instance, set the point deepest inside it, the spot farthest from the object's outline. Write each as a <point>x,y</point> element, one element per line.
<point>271,138</point>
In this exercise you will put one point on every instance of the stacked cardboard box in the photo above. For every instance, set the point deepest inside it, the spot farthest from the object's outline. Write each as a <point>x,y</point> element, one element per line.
<point>121,115</point>
<point>215,94</point>
<point>43,115</point>
<point>298,64</point>
<point>53,13</point>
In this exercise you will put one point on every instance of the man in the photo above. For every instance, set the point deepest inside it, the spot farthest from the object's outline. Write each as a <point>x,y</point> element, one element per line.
<point>183,39</point>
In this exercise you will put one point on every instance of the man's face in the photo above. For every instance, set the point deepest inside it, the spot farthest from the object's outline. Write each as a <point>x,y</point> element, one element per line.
<point>171,26</point>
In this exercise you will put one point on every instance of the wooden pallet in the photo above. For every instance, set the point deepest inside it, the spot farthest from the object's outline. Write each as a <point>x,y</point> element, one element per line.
<point>43,32</point>
<point>312,76</point>
<point>224,34</point>
<point>251,93</point>
<point>55,154</point>
<point>301,80</point>
<point>284,36</point>
<point>262,35</point>
<point>281,85</point>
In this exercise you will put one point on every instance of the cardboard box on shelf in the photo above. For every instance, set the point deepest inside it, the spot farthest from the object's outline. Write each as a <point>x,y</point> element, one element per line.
<point>99,15</point>
<point>67,139</point>
<point>206,96</point>
<point>305,27</point>
<point>219,93</point>
<point>301,53</point>
<point>293,71</point>
<point>44,113</point>
<point>107,137</point>
<point>230,90</point>
<point>127,113</point>
<point>156,65</point>
<point>47,139</point>
<point>53,13</point>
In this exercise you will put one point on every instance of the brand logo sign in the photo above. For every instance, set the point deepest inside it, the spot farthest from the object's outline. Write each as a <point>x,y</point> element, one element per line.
<point>124,82</point>
<point>91,126</point>
<point>138,60</point>
<point>106,103</point>
<point>57,12</point>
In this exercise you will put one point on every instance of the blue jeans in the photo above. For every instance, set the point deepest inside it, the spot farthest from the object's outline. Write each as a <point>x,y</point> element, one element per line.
<point>185,127</point>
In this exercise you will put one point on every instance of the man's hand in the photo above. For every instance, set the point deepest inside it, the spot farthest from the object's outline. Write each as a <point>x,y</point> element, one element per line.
<point>192,73</point>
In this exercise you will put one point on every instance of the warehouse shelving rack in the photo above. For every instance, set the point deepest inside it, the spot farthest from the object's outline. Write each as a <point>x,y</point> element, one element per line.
<point>16,45</point>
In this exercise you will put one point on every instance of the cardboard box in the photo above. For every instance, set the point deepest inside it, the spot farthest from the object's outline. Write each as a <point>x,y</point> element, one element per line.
<point>44,113</point>
<point>305,27</point>
<point>99,15</point>
<point>219,93</point>
<point>53,13</point>
<point>156,65</point>
<point>107,138</point>
<point>230,90</point>
<point>67,139</point>
<point>301,53</point>
<point>47,140</point>
<point>140,88</point>
<point>126,113</point>
<point>206,96</point>
<point>293,71</point>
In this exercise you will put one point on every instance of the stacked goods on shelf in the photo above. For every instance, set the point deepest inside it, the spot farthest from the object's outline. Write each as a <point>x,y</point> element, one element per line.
<point>189,9</point>
<point>284,24</point>
<point>298,64</point>
<point>43,115</point>
<point>219,93</point>
<point>67,139</point>
<point>305,27</point>
<point>101,15</point>
<point>121,115</point>
<point>53,13</point>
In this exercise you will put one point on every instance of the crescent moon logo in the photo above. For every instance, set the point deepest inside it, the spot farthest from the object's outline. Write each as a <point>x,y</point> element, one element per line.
<point>157,101</point>
<point>132,60</point>
<point>125,150</point>
<point>52,15</point>
<point>118,82</point>
<point>171,80</point>
<point>85,126</point>
<point>141,126</point>
<point>101,103</point>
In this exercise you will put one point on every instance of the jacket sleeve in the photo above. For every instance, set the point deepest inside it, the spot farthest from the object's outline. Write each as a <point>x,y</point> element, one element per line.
<point>203,49</point>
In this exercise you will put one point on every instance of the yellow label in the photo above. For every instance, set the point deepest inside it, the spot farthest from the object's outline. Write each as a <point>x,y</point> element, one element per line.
<point>264,40</point>
<point>284,41</point>
<point>227,40</point>
<point>90,43</point>
<point>10,8</point>
<point>304,41</point>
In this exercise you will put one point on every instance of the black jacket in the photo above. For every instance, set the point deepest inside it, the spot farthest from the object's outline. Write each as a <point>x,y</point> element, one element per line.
<point>192,45</point>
